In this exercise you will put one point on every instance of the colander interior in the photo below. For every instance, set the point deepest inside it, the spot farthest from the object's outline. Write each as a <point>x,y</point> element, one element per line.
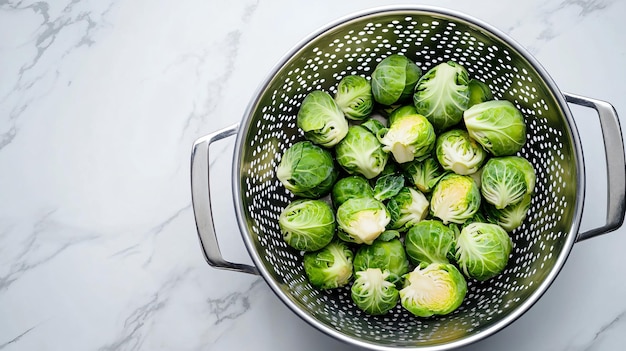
<point>355,46</point>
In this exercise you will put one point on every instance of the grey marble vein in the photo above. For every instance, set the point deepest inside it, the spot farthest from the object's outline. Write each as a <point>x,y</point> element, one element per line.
<point>133,331</point>
<point>610,326</point>
<point>586,6</point>
<point>17,338</point>
<point>233,305</point>
<point>45,38</point>
<point>33,253</point>
<point>231,43</point>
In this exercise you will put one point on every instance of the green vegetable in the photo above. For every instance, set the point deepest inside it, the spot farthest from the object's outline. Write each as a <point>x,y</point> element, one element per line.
<point>408,137</point>
<point>321,120</point>
<point>402,111</point>
<point>360,152</point>
<point>373,125</point>
<point>307,170</point>
<point>307,225</point>
<point>373,293</point>
<point>456,151</point>
<point>442,94</point>
<point>505,180</point>
<point>455,198</point>
<point>510,217</point>
<point>424,174</point>
<point>497,125</point>
<point>478,92</point>
<point>386,255</point>
<point>388,186</point>
<point>407,208</point>
<point>362,219</point>
<point>331,267</point>
<point>394,78</point>
<point>434,289</point>
<point>354,97</point>
<point>482,250</point>
<point>350,187</point>
<point>429,241</point>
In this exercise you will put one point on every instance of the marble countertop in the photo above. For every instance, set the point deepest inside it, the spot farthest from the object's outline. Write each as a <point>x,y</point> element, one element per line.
<point>100,102</point>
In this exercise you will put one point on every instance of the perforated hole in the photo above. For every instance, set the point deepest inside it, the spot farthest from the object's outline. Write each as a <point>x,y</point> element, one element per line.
<point>355,48</point>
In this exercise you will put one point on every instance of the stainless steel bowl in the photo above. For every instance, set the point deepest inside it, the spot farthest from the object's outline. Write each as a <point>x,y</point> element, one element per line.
<point>354,45</point>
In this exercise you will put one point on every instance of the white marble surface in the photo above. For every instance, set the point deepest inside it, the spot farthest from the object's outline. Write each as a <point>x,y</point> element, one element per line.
<point>100,102</point>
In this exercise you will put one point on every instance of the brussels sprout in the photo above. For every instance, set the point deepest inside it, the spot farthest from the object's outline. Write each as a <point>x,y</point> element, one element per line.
<point>429,241</point>
<point>307,225</point>
<point>497,125</point>
<point>511,216</point>
<point>350,187</point>
<point>386,255</point>
<point>402,111</point>
<point>424,174</point>
<point>478,92</point>
<point>482,250</point>
<point>442,94</point>
<point>407,208</point>
<point>434,289</point>
<point>362,219</point>
<point>388,186</point>
<point>331,267</point>
<point>373,125</point>
<point>360,152</point>
<point>456,151</point>
<point>408,137</point>
<point>373,293</point>
<point>307,170</point>
<point>529,171</point>
<point>455,198</point>
<point>394,78</point>
<point>321,120</point>
<point>354,97</point>
<point>504,182</point>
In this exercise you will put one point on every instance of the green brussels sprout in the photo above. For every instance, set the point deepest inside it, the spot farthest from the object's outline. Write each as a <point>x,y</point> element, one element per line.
<point>442,94</point>
<point>434,289</point>
<point>373,293</point>
<point>529,171</point>
<point>497,125</point>
<point>330,267</point>
<point>505,180</point>
<point>402,111</point>
<point>408,137</point>
<point>424,174</point>
<point>360,152</point>
<point>362,219</point>
<point>429,241</point>
<point>350,187</point>
<point>482,250</point>
<point>321,120</point>
<point>394,78</point>
<point>478,92</point>
<point>407,208</point>
<point>510,217</point>
<point>388,186</point>
<point>455,198</point>
<point>386,255</point>
<point>307,170</point>
<point>307,225</point>
<point>354,97</point>
<point>373,125</point>
<point>456,151</point>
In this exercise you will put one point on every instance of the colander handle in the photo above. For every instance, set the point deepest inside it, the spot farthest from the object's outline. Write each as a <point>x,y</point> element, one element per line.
<point>201,201</point>
<point>615,161</point>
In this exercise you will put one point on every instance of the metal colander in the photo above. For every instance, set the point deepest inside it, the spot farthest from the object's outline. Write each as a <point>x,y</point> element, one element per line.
<point>428,36</point>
